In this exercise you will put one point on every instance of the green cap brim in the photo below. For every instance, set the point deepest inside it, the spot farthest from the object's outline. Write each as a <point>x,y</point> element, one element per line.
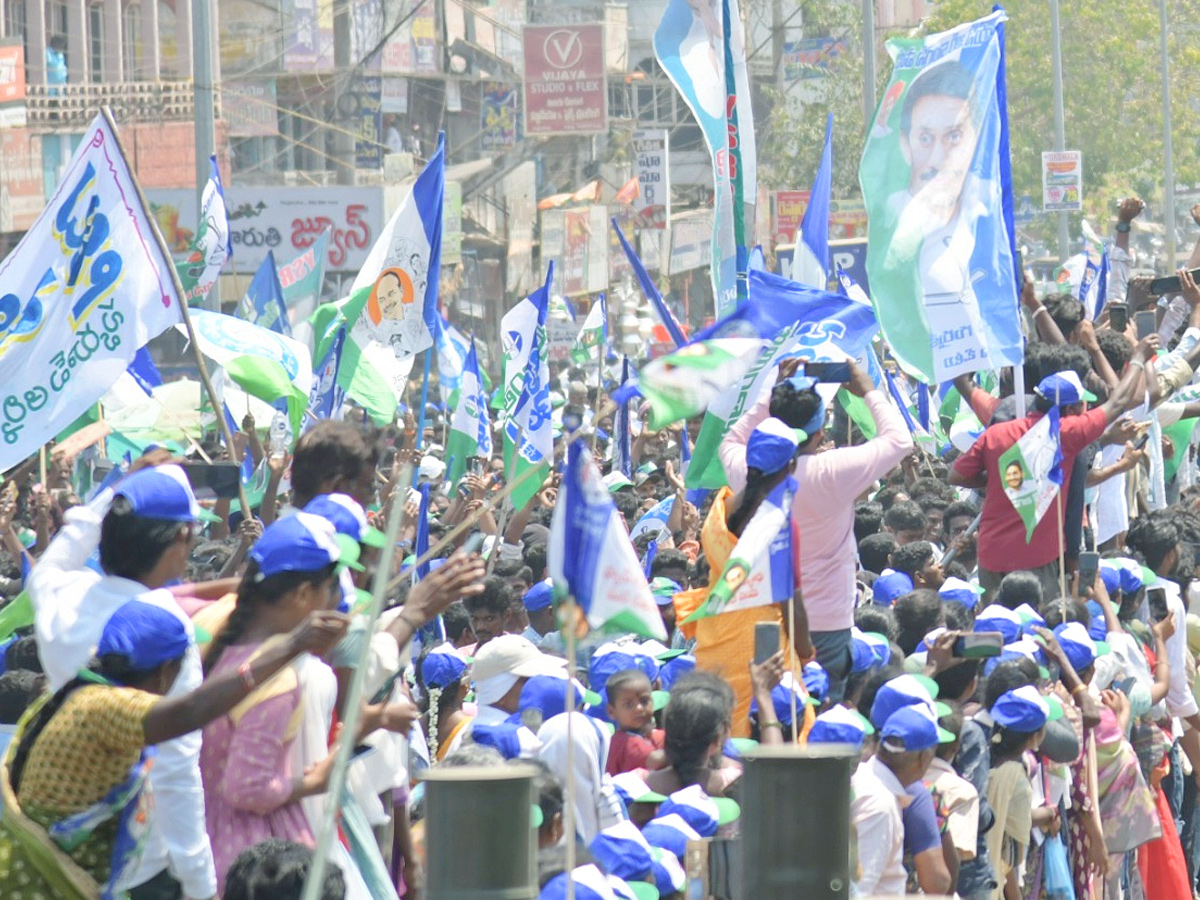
<point>643,890</point>
<point>941,708</point>
<point>1056,708</point>
<point>373,537</point>
<point>1044,673</point>
<point>535,816</point>
<point>591,698</point>
<point>929,684</point>
<point>669,655</point>
<point>362,599</point>
<point>727,810</point>
<point>210,517</point>
<point>660,699</point>
<point>1088,396</point>
<point>608,726</point>
<point>945,737</point>
<point>868,728</point>
<point>349,552</point>
<point>202,635</point>
<point>1102,648</point>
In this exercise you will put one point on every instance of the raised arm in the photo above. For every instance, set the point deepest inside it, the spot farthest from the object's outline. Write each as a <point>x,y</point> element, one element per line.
<point>1126,394</point>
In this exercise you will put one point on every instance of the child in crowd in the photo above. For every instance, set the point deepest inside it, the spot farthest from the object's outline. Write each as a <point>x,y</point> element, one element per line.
<point>631,709</point>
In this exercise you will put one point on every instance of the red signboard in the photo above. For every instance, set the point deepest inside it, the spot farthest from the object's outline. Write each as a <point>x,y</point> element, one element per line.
<point>565,89</point>
<point>12,72</point>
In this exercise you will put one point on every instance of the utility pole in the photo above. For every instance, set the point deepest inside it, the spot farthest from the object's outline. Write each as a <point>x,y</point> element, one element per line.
<point>1168,158</point>
<point>204,99</point>
<point>1060,128</point>
<point>343,141</point>
<point>868,39</point>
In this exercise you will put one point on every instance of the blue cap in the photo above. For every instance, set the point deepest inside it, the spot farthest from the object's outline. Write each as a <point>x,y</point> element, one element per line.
<point>298,543</point>
<point>781,698</point>
<point>703,813</point>
<point>548,693</point>
<point>611,658</point>
<point>868,650</point>
<point>664,590</point>
<point>840,725</point>
<point>622,851</point>
<point>772,446</point>
<point>671,832</point>
<point>669,876</point>
<point>1023,709</point>
<point>1030,618</point>
<point>162,492</point>
<point>890,586</point>
<point>1080,649</point>
<point>903,690</point>
<point>348,518</point>
<point>959,591</point>
<point>511,740</point>
<point>1063,389</point>
<point>1134,577</point>
<point>540,596</point>
<point>589,884</point>
<point>914,728</point>
<point>674,669</point>
<point>443,666</point>
<point>816,680</point>
<point>1110,574</point>
<point>999,618</point>
<point>145,634</point>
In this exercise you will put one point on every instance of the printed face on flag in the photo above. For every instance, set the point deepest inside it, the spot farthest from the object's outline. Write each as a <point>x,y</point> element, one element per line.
<point>395,315</point>
<point>939,258</point>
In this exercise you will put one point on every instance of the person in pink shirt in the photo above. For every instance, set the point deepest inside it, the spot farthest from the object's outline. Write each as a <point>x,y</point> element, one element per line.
<point>823,508</point>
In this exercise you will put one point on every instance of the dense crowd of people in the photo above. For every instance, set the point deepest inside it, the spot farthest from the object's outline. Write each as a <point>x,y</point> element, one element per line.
<point>1022,699</point>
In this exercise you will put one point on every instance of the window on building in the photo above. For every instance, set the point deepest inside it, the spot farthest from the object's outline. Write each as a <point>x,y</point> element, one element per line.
<point>96,43</point>
<point>131,41</point>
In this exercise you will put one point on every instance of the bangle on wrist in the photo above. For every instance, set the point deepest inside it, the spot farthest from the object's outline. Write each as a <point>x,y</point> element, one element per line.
<point>1039,309</point>
<point>762,725</point>
<point>1138,363</point>
<point>1078,689</point>
<point>1124,228</point>
<point>416,626</point>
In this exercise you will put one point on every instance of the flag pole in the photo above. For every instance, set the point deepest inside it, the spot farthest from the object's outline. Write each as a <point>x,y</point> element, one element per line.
<point>222,425</point>
<point>424,400</point>
<point>569,805</point>
<point>345,741</point>
<point>792,655</point>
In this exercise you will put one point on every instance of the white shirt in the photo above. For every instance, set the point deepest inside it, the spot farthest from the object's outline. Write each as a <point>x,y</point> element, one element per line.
<point>875,814</point>
<point>1180,702</point>
<point>72,604</point>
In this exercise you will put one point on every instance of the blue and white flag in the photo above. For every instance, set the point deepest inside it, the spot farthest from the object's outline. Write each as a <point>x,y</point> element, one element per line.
<point>470,430</point>
<point>761,569</point>
<point>690,45</point>
<point>452,349</point>
<point>940,259</point>
<point>264,303</point>
<point>145,372</point>
<point>528,435</point>
<point>83,291</point>
<point>654,519</point>
<point>622,444</point>
<point>592,558</point>
<point>648,288</point>
<point>810,258</point>
<point>401,272</point>
<point>214,240</point>
<point>325,401</point>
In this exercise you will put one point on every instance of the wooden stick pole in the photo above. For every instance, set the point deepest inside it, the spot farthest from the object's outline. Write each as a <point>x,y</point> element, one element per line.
<point>222,425</point>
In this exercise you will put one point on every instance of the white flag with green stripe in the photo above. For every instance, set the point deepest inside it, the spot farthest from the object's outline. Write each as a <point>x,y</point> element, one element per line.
<point>470,431</point>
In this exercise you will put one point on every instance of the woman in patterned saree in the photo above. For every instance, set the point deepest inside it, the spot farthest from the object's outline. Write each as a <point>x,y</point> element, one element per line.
<point>72,777</point>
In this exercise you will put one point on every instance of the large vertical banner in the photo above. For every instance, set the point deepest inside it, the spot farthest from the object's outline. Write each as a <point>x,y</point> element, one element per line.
<point>940,262</point>
<point>85,288</point>
<point>690,46</point>
<point>565,87</point>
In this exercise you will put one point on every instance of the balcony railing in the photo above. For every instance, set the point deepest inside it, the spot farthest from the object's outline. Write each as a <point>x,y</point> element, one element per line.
<point>75,105</point>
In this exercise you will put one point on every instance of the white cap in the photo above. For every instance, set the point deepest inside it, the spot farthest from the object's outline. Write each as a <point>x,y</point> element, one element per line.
<point>511,654</point>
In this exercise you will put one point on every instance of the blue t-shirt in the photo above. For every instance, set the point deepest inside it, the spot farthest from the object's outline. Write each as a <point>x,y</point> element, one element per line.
<point>920,821</point>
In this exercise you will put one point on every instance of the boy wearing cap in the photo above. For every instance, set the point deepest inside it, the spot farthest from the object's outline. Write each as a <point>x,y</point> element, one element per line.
<point>143,527</point>
<point>1002,544</point>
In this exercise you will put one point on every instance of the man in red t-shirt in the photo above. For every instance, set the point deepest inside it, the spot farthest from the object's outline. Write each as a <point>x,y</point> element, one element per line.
<point>1002,544</point>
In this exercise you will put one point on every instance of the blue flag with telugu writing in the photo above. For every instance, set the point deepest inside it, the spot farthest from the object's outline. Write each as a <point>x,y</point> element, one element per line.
<point>264,304</point>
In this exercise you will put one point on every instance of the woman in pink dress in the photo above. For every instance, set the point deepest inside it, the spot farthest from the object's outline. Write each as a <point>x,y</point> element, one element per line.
<point>250,794</point>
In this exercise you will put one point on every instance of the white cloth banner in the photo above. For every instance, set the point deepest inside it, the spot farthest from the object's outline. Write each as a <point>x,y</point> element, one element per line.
<point>84,290</point>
